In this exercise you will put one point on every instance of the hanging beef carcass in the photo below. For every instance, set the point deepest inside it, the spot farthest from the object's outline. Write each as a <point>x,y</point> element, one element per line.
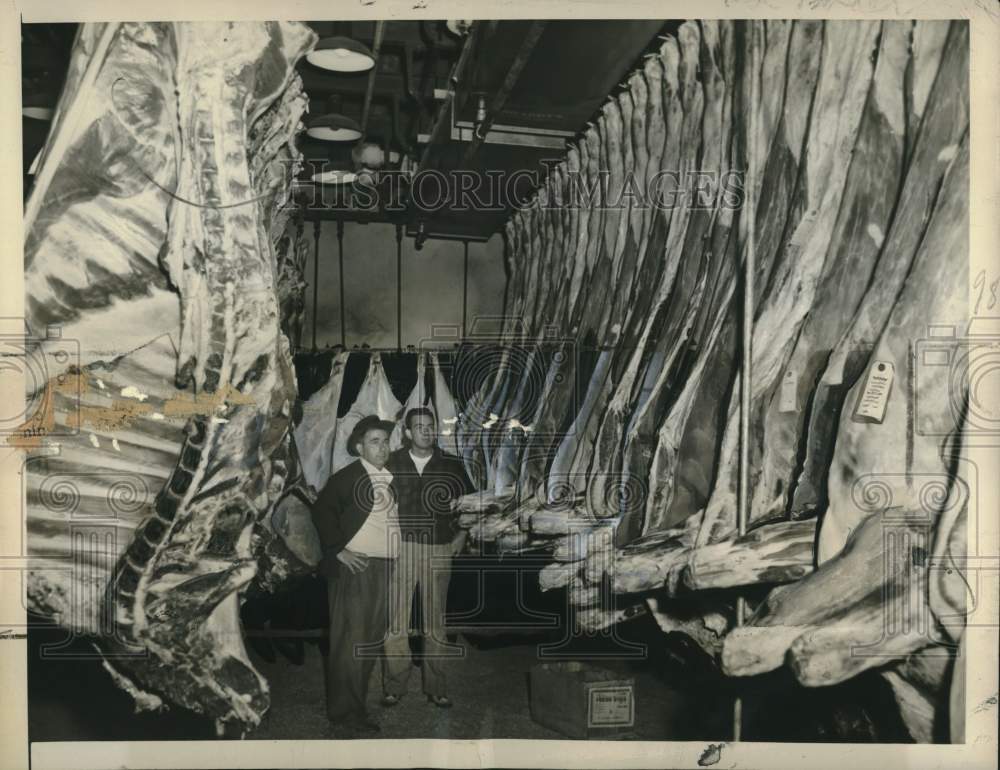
<point>869,195</point>
<point>898,493</point>
<point>944,119</point>
<point>417,398</point>
<point>316,435</point>
<point>161,190</point>
<point>446,410</point>
<point>375,397</point>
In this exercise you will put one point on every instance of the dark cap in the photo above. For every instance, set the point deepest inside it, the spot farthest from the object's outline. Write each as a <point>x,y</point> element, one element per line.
<point>365,424</point>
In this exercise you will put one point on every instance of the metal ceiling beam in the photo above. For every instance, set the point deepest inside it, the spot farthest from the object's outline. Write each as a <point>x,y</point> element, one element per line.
<point>440,129</point>
<point>524,52</point>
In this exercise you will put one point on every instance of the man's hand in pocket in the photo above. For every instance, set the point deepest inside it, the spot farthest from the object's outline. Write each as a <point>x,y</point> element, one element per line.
<point>355,562</point>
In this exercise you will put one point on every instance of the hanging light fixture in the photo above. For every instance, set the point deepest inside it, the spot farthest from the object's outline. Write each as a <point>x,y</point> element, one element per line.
<point>334,127</point>
<point>341,54</point>
<point>334,176</point>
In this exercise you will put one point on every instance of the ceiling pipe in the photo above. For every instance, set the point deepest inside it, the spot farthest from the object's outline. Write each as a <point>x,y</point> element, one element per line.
<point>376,47</point>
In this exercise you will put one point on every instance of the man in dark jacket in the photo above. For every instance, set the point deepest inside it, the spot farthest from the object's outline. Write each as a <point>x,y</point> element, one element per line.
<point>427,482</point>
<point>355,516</point>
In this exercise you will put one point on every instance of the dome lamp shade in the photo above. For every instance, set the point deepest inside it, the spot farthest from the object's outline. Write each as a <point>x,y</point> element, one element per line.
<point>341,54</point>
<point>334,127</point>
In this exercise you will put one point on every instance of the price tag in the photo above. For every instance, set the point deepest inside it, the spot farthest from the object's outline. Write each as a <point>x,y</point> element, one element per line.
<point>875,396</point>
<point>789,389</point>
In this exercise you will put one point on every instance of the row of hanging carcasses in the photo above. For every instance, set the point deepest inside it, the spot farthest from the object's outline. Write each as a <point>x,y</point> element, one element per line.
<point>321,436</point>
<point>858,158</point>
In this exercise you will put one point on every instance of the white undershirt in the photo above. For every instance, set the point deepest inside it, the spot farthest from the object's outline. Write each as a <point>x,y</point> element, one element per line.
<point>379,535</point>
<point>420,462</point>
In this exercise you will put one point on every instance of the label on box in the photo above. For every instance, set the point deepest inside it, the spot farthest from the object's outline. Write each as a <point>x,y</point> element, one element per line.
<point>789,387</point>
<point>875,396</point>
<point>611,707</point>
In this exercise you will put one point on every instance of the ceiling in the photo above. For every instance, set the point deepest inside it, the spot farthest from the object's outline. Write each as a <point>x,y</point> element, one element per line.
<point>478,105</point>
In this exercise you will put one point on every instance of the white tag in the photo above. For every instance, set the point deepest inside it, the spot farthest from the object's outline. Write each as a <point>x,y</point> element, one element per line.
<point>611,707</point>
<point>789,388</point>
<point>875,396</point>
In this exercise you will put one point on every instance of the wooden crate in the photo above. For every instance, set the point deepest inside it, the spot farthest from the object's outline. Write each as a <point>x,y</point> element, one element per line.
<point>582,701</point>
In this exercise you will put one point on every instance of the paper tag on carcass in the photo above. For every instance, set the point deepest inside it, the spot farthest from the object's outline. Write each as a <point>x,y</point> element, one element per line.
<point>789,388</point>
<point>875,396</point>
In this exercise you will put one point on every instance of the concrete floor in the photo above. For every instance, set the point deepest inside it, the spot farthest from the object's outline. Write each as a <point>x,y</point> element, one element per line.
<point>489,689</point>
<point>679,695</point>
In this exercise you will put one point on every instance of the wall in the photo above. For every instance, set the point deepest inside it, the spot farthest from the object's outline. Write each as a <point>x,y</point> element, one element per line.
<point>432,285</point>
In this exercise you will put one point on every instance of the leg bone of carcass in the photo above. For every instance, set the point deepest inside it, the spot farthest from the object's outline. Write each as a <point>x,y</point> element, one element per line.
<point>858,610</point>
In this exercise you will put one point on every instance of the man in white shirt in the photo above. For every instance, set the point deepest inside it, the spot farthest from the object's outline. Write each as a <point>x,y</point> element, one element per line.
<point>356,517</point>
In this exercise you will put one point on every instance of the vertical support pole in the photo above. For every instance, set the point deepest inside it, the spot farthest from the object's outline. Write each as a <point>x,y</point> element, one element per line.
<point>343,309</point>
<point>465,289</point>
<point>399,288</point>
<point>749,265</point>
<point>317,226</point>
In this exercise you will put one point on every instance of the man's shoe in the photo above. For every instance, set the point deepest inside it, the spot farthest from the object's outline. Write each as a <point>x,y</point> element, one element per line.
<point>364,725</point>
<point>354,724</point>
<point>390,700</point>
<point>441,701</point>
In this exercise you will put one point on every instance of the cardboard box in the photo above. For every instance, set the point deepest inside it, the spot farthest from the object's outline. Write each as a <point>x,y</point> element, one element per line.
<point>582,701</point>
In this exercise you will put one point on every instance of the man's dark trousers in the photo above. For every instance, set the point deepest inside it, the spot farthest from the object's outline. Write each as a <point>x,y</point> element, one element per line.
<point>358,624</point>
